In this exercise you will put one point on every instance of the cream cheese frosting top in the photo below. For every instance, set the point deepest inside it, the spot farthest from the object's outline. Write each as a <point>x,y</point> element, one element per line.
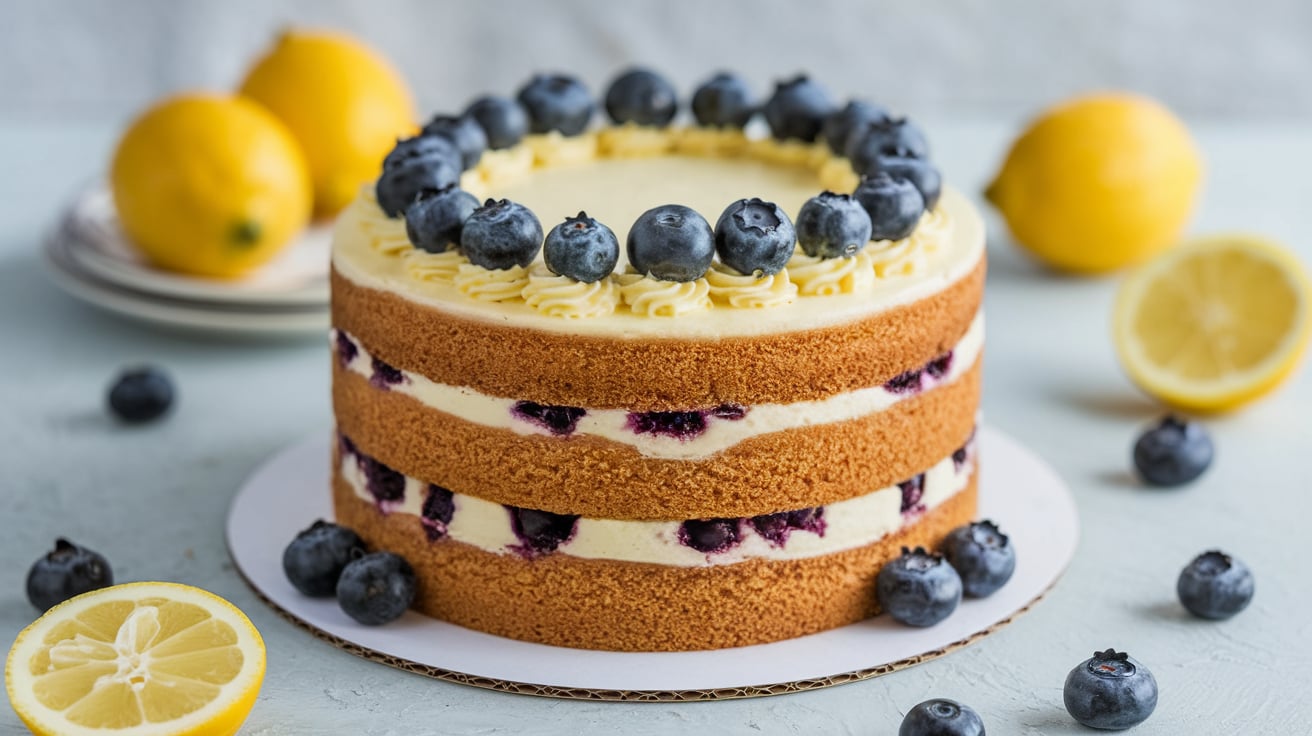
<point>945,248</point>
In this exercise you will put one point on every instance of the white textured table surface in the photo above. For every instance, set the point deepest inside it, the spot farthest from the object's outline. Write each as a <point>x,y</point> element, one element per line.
<point>154,499</point>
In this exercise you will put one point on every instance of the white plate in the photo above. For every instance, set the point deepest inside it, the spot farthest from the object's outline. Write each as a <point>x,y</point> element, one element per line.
<point>95,241</point>
<point>1018,490</point>
<point>190,316</point>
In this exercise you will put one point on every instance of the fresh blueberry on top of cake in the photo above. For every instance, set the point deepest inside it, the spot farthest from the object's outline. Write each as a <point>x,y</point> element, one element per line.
<point>671,243</point>
<point>582,249</point>
<point>681,425</point>
<point>1111,691</point>
<point>754,237</point>
<point>501,234</point>
<point>919,588</point>
<point>439,506</point>
<point>421,147</point>
<point>540,532</point>
<point>832,226</point>
<point>464,131</point>
<point>920,172</point>
<point>855,115</point>
<point>711,535</point>
<point>798,109</point>
<point>503,120</point>
<point>559,420</point>
<point>724,101</point>
<point>886,137</point>
<point>435,220</point>
<point>556,102</point>
<point>1215,586</point>
<point>894,205</point>
<point>982,555</point>
<point>776,528</point>
<point>401,185</point>
<point>643,97</point>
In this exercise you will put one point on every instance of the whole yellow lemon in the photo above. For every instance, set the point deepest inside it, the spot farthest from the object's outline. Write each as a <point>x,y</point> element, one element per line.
<point>1098,183</point>
<point>343,102</point>
<point>209,185</point>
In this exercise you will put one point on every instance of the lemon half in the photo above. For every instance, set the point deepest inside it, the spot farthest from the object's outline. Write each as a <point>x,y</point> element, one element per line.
<point>1215,323</point>
<point>142,658</point>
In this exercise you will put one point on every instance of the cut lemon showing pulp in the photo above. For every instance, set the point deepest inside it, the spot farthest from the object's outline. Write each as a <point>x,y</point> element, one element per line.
<point>141,658</point>
<point>1215,323</point>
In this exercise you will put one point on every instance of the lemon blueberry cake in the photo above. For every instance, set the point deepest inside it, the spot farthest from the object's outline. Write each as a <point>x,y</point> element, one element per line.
<point>656,387</point>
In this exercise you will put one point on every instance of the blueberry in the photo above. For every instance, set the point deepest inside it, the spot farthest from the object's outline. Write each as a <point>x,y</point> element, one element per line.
<point>939,367</point>
<point>682,425</point>
<point>921,173</point>
<point>918,588</point>
<point>464,131</point>
<point>798,109</point>
<point>347,350</point>
<point>64,572</point>
<point>383,483</point>
<point>671,243</point>
<point>421,147</point>
<point>1173,453</point>
<point>894,205</point>
<point>385,375</point>
<point>754,236</point>
<point>582,249</point>
<point>905,383</point>
<point>501,234</point>
<point>724,101</point>
<point>556,102</point>
<point>776,528</point>
<point>982,556</point>
<point>1215,586</point>
<point>1110,691</point>
<point>711,535</point>
<point>886,137</point>
<point>941,717</point>
<point>559,420</point>
<point>436,513</point>
<point>434,222</point>
<point>316,557</point>
<point>832,226</point>
<point>376,588</point>
<point>141,395</point>
<point>398,187</point>
<point>641,96</point>
<point>541,532</point>
<point>503,120</point>
<point>856,115</point>
<point>913,491</point>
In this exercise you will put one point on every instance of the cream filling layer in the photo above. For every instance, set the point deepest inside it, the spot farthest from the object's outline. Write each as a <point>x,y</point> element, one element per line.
<point>615,425</point>
<point>849,524</point>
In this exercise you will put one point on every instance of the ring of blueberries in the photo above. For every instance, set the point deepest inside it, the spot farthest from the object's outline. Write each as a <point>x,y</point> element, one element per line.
<point>421,177</point>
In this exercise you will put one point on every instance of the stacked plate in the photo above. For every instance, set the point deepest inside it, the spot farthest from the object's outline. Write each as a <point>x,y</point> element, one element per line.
<point>91,259</point>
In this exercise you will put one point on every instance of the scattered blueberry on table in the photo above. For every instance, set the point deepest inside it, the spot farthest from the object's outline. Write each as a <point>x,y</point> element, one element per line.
<point>941,717</point>
<point>724,101</point>
<point>982,555</point>
<point>141,395</point>
<point>1111,691</point>
<point>1215,586</point>
<point>376,588</point>
<point>582,249</point>
<point>754,237</point>
<point>314,560</point>
<point>1173,453</point>
<point>919,588</point>
<point>501,234</point>
<point>64,572</point>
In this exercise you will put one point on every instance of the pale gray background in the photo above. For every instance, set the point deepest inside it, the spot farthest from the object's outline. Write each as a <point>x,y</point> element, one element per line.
<point>154,499</point>
<point>1230,60</point>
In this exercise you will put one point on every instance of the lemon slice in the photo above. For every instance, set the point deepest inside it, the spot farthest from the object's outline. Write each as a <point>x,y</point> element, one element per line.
<point>141,658</point>
<point>1215,323</point>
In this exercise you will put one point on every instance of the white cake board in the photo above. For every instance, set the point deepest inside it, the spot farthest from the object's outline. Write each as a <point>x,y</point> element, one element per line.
<point>1017,490</point>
